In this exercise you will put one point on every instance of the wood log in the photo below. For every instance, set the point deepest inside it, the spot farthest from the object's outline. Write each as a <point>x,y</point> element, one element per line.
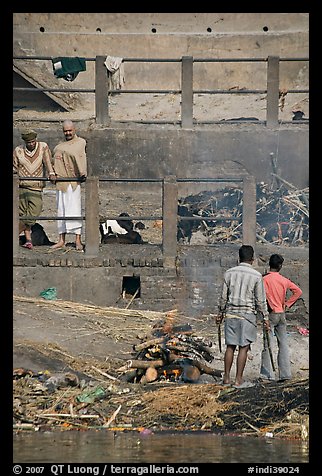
<point>150,375</point>
<point>201,346</point>
<point>148,343</point>
<point>141,364</point>
<point>144,364</point>
<point>187,351</point>
<point>189,344</point>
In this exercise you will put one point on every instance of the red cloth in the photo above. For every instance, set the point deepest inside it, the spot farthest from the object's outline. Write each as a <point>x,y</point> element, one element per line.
<point>276,287</point>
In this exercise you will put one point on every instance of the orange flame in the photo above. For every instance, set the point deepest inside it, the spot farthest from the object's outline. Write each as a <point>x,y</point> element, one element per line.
<point>172,373</point>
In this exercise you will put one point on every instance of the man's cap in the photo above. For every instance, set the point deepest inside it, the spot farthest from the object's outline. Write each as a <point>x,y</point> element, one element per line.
<point>28,134</point>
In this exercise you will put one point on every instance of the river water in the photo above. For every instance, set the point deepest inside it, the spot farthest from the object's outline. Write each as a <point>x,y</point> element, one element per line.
<point>103,446</point>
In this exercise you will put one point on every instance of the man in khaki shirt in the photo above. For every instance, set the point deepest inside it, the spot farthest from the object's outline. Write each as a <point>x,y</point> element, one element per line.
<point>69,162</point>
<point>31,159</point>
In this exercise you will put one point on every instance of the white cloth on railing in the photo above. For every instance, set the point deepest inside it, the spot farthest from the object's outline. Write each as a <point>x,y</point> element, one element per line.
<point>115,67</point>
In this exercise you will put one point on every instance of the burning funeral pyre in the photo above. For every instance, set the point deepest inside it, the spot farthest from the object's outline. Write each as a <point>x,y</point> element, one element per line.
<point>170,352</point>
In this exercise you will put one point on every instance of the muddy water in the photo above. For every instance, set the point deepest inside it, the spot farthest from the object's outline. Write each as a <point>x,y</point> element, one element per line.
<point>114,447</point>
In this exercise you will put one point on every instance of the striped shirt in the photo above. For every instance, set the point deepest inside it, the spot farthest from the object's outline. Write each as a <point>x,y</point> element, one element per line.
<point>243,291</point>
<point>32,164</point>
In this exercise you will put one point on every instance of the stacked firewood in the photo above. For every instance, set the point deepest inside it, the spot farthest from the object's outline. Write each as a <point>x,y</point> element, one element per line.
<point>170,353</point>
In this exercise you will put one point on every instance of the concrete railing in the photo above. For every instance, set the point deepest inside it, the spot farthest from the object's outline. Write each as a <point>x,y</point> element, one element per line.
<point>169,212</point>
<point>187,91</point>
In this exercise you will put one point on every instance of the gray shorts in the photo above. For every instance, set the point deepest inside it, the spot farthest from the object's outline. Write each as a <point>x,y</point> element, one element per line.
<point>240,331</point>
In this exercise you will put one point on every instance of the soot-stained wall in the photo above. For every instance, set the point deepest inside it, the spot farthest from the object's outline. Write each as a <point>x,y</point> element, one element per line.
<point>157,152</point>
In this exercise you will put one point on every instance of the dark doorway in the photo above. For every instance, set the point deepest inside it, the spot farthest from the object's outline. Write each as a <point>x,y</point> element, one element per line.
<point>131,286</point>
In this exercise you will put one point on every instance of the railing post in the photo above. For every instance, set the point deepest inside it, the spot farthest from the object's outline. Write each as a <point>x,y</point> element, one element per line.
<point>15,218</point>
<point>187,92</point>
<point>272,91</point>
<point>170,219</point>
<point>91,217</point>
<point>101,91</point>
<point>249,211</point>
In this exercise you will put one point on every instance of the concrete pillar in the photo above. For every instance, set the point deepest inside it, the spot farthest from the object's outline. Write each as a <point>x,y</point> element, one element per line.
<point>249,211</point>
<point>272,91</point>
<point>92,234</point>
<point>101,91</point>
<point>15,217</point>
<point>170,218</point>
<point>187,92</point>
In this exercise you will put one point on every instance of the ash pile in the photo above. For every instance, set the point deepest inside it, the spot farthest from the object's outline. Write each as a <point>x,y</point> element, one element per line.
<point>170,353</point>
<point>282,215</point>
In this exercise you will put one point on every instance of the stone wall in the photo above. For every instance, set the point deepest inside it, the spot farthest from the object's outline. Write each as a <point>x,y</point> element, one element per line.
<point>163,36</point>
<point>192,287</point>
<point>155,153</point>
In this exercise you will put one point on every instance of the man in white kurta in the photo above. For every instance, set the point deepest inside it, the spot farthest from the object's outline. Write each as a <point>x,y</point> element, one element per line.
<point>69,162</point>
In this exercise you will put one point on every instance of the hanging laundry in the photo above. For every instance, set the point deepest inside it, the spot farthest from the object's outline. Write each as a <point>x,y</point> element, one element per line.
<point>68,68</point>
<point>115,67</point>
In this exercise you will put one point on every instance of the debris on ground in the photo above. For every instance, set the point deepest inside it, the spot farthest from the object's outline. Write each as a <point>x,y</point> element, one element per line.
<point>282,214</point>
<point>279,408</point>
<point>86,394</point>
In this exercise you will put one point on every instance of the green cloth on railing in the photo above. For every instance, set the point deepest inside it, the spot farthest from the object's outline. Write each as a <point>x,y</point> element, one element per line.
<point>67,67</point>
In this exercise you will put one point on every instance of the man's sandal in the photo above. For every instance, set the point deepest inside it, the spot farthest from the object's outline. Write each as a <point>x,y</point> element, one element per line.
<point>28,245</point>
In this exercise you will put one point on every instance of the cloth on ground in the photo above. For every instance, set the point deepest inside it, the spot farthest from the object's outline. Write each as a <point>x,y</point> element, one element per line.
<point>38,236</point>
